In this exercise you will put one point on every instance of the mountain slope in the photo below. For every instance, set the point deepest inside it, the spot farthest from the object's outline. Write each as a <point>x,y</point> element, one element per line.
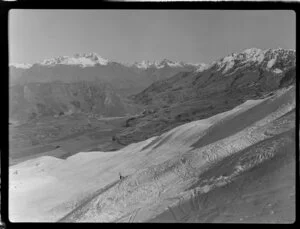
<point>252,69</point>
<point>179,165</point>
<point>220,86</point>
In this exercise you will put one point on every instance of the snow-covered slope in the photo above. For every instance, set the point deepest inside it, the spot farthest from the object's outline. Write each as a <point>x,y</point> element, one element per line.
<point>268,59</point>
<point>164,63</point>
<point>248,56</point>
<point>93,59</point>
<point>21,66</point>
<point>83,60</point>
<point>158,169</point>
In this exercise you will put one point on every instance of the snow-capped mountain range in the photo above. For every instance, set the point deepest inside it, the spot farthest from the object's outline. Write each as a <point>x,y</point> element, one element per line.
<point>265,58</point>
<point>94,59</point>
<point>252,69</point>
<point>129,77</point>
<point>84,60</point>
<point>161,64</point>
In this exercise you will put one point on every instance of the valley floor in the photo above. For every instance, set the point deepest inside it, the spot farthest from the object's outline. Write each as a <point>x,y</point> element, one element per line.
<point>62,137</point>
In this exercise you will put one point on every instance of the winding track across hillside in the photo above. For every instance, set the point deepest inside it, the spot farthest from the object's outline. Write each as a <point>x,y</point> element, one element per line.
<point>75,213</point>
<point>264,193</point>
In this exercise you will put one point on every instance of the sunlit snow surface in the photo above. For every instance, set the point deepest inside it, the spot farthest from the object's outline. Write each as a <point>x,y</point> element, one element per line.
<point>48,189</point>
<point>24,66</point>
<point>84,60</point>
<point>277,70</point>
<point>248,57</point>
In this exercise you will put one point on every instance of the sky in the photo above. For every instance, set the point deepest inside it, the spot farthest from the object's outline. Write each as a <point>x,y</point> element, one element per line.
<point>197,36</point>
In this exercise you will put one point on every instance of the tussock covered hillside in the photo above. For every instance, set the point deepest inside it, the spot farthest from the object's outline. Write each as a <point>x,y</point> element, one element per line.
<point>175,176</point>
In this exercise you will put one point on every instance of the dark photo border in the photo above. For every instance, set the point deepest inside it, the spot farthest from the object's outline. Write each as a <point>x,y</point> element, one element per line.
<point>6,6</point>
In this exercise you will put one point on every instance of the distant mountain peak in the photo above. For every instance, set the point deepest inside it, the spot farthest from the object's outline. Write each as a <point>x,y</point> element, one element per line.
<point>84,60</point>
<point>92,59</point>
<point>257,56</point>
<point>21,65</point>
<point>163,63</point>
<point>202,67</point>
<point>166,61</point>
<point>250,55</point>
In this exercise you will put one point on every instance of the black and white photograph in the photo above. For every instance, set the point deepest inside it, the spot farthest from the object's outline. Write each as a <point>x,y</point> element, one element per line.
<point>152,116</point>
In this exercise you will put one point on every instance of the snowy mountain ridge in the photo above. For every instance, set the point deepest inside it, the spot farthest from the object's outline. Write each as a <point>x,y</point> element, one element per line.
<point>247,56</point>
<point>270,59</point>
<point>93,59</point>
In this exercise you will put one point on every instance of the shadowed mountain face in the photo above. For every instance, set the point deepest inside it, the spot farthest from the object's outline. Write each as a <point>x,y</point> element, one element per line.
<point>218,87</point>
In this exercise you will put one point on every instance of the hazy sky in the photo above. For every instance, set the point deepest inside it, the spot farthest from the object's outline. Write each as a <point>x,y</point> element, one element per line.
<point>135,35</point>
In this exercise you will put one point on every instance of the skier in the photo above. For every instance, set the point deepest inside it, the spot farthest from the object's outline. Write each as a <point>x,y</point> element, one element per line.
<point>121,177</point>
